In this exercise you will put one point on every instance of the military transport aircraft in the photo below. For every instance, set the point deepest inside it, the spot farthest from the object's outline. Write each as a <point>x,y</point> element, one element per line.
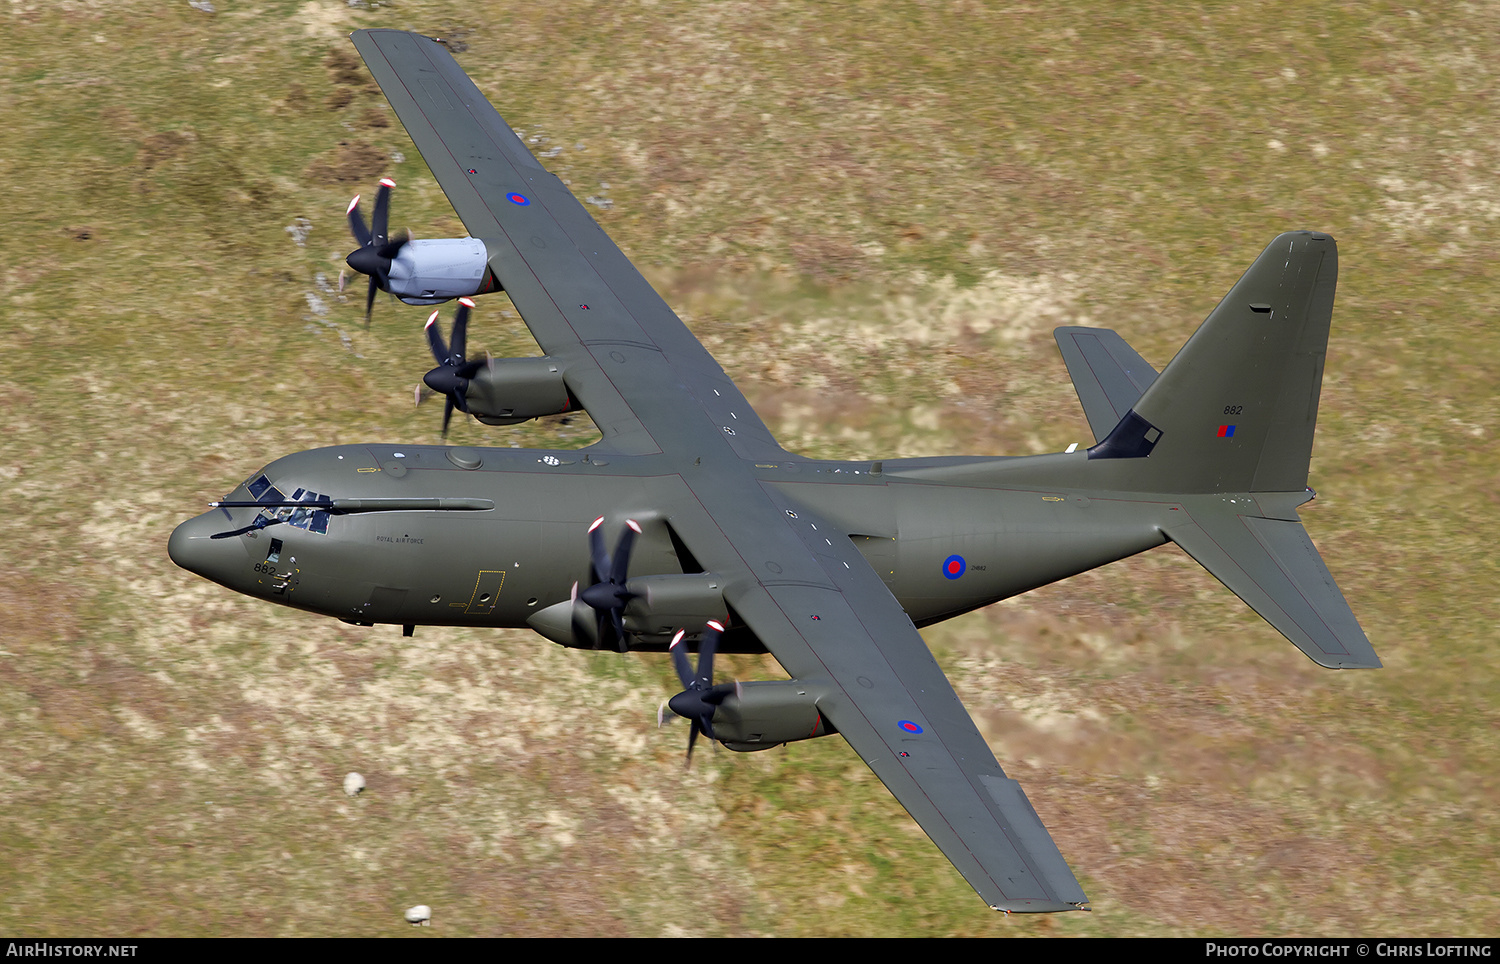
<point>687,518</point>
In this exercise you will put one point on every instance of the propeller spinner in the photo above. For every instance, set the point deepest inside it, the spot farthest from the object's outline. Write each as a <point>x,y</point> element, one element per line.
<point>606,593</point>
<point>451,378</point>
<point>376,248</point>
<point>700,697</point>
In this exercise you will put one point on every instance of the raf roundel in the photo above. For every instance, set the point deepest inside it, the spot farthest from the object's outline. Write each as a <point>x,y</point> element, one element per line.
<point>520,199</point>
<point>909,726</point>
<point>954,566</point>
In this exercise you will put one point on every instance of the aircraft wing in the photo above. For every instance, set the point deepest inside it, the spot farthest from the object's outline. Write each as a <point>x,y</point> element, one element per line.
<point>800,585</point>
<point>587,306</point>
<point>826,615</point>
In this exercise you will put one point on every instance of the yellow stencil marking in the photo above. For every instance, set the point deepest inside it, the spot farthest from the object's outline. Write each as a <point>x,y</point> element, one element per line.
<point>487,585</point>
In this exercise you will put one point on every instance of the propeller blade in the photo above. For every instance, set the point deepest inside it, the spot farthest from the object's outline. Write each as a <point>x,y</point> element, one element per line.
<point>357,223</point>
<point>680,660</point>
<point>706,654</point>
<point>458,341</point>
<point>381,218</point>
<point>606,593</point>
<point>598,558</point>
<point>617,615</point>
<point>699,697</point>
<point>435,339</point>
<point>375,251</point>
<point>617,572</point>
<point>447,415</point>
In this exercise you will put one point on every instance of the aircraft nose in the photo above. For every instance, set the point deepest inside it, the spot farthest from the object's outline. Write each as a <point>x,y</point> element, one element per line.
<point>193,548</point>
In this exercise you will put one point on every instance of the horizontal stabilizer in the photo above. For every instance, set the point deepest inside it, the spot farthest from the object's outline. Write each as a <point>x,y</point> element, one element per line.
<point>1108,374</point>
<point>1273,566</point>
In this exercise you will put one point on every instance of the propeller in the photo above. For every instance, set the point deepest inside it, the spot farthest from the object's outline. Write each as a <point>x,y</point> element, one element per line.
<point>451,378</point>
<point>606,593</point>
<point>376,248</point>
<point>698,701</point>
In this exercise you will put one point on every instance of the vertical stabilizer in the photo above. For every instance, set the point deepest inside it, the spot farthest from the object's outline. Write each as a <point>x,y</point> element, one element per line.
<point>1234,411</point>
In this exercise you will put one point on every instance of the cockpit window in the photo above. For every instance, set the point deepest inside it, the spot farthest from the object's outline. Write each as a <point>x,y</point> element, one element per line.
<point>313,520</point>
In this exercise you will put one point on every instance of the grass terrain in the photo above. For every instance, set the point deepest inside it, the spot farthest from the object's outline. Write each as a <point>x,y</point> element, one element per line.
<point>873,214</point>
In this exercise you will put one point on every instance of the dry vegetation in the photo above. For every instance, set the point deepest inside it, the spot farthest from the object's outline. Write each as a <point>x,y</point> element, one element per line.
<point>873,213</point>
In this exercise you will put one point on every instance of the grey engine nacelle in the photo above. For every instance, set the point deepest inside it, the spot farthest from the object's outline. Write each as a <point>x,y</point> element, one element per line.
<point>512,390</point>
<point>429,272</point>
<point>660,605</point>
<point>663,604</point>
<point>765,714</point>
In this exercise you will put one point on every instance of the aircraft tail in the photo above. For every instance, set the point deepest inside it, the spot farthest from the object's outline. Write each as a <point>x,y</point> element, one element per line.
<point>1227,427</point>
<point>1217,445</point>
<point>1234,411</point>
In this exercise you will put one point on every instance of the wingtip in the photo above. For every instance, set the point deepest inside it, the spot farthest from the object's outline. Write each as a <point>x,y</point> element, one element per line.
<point>1042,907</point>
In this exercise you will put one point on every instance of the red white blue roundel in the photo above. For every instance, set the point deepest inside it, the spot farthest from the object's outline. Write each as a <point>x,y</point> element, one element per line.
<point>520,199</point>
<point>909,726</point>
<point>954,566</point>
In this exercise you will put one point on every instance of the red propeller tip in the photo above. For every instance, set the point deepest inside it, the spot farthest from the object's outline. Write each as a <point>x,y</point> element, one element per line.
<point>466,302</point>
<point>634,525</point>
<point>387,182</point>
<point>352,204</point>
<point>597,523</point>
<point>678,638</point>
<point>431,318</point>
<point>715,624</point>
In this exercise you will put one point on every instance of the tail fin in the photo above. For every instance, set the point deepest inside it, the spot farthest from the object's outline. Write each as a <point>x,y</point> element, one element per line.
<point>1228,428</point>
<point>1234,411</point>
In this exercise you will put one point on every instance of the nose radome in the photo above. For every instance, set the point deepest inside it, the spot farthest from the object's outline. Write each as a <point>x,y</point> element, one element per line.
<point>193,548</point>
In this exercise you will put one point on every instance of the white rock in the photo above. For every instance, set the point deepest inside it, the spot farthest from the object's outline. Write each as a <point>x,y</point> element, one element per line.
<point>419,915</point>
<point>353,784</point>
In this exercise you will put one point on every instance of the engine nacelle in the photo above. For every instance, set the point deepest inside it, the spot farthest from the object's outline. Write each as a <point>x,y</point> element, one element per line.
<point>664,604</point>
<point>512,390</point>
<point>440,269</point>
<point>762,715</point>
